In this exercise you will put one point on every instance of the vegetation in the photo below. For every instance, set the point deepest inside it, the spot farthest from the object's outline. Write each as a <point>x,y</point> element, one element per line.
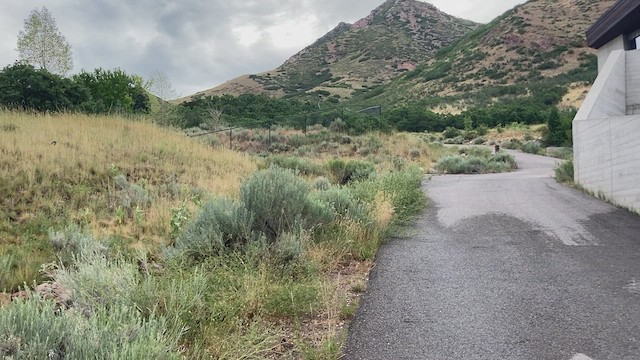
<point>564,172</point>
<point>476,161</point>
<point>41,44</point>
<point>24,87</point>
<point>162,244</point>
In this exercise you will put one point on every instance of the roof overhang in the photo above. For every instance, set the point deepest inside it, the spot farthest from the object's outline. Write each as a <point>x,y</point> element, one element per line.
<point>621,19</point>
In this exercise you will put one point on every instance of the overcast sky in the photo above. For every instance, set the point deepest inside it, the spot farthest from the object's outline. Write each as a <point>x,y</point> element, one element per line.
<point>200,43</point>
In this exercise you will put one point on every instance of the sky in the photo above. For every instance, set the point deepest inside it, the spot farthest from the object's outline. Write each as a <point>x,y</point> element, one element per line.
<point>200,44</point>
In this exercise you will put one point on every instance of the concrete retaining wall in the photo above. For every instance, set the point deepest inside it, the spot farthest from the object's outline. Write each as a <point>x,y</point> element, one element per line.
<point>607,157</point>
<point>633,81</point>
<point>607,96</point>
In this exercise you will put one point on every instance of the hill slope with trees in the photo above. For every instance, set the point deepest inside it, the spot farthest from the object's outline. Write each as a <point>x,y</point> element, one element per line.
<point>394,38</point>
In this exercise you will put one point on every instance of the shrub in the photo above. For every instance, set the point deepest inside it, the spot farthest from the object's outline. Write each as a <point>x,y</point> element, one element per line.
<point>564,172</point>
<point>458,140</point>
<point>504,158</point>
<point>304,166</point>
<point>221,224</point>
<point>342,203</point>
<point>96,281</point>
<point>337,125</point>
<point>34,329</point>
<point>512,144</point>
<point>297,140</point>
<point>561,153</point>
<point>532,147</point>
<point>321,184</point>
<point>350,171</point>
<point>450,133</point>
<point>279,202</point>
<point>72,242</point>
<point>475,164</point>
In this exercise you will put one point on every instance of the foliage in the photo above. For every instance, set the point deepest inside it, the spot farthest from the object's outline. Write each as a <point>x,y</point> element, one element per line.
<point>24,87</point>
<point>564,172</point>
<point>345,172</point>
<point>41,44</point>
<point>279,202</point>
<point>34,329</point>
<point>114,91</point>
<point>476,164</point>
<point>415,119</point>
<point>302,165</point>
<point>532,147</point>
<point>221,224</point>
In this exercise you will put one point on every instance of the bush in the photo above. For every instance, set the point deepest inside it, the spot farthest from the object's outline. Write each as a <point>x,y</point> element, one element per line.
<point>350,171</point>
<point>513,144</point>
<point>72,242</point>
<point>451,132</point>
<point>450,164</point>
<point>321,184</point>
<point>458,140</point>
<point>34,329</point>
<point>532,147</point>
<point>96,281</point>
<point>564,172</point>
<point>561,153</point>
<point>304,166</point>
<point>221,224</point>
<point>342,203</point>
<point>278,200</point>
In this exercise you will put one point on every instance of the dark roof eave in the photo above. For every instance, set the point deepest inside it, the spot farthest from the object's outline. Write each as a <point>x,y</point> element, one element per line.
<point>622,18</point>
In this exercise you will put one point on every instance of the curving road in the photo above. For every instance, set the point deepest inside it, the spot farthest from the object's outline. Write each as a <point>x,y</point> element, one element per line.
<point>506,266</point>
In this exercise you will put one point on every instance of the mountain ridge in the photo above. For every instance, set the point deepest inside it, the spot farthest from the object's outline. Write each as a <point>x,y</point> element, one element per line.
<point>538,42</point>
<point>393,38</point>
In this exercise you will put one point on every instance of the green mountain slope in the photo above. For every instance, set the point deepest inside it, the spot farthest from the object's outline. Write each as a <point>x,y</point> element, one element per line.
<point>534,49</point>
<point>394,38</point>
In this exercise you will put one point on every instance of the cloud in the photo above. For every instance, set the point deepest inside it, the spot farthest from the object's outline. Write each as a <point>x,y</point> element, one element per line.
<point>200,43</point>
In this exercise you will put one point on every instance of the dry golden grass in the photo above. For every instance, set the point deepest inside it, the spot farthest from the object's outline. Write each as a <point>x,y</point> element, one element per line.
<point>60,169</point>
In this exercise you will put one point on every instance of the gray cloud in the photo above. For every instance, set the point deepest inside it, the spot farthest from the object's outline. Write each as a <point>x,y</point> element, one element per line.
<point>200,43</point>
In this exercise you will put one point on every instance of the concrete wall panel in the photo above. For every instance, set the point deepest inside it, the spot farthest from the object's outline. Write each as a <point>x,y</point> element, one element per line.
<point>607,96</point>
<point>607,158</point>
<point>633,82</point>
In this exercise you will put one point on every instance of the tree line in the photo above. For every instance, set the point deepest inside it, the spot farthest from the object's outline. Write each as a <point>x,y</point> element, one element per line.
<point>24,87</point>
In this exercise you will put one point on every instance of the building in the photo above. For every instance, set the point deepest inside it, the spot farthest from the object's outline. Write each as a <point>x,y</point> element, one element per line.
<point>606,129</point>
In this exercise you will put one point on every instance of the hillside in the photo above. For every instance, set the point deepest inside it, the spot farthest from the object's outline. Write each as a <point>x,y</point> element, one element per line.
<point>539,44</point>
<point>394,38</point>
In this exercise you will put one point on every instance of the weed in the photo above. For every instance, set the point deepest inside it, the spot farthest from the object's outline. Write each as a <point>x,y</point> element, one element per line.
<point>564,172</point>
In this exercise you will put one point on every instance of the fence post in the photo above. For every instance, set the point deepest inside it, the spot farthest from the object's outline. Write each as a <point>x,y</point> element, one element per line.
<point>230,138</point>
<point>269,134</point>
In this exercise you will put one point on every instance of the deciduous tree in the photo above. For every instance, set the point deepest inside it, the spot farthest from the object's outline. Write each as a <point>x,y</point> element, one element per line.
<point>42,45</point>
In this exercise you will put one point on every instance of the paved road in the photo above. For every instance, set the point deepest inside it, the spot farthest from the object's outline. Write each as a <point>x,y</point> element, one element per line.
<point>506,266</point>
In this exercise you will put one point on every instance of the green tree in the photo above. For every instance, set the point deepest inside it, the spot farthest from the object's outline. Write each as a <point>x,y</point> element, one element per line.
<point>556,133</point>
<point>42,45</point>
<point>114,91</point>
<point>24,87</point>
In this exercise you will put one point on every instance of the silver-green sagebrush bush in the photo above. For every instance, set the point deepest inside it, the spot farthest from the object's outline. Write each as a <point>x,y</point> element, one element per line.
<point>220,225</point>
<point>35,329</point>
<point>272,202</point>
<point>279,201</point>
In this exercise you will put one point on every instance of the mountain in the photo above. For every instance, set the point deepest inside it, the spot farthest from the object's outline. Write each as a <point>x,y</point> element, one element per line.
<point>537,48</point>
<point>394,38</point>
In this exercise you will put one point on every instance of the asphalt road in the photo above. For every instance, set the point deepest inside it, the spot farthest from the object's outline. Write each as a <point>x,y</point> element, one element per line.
<point>506,266</point>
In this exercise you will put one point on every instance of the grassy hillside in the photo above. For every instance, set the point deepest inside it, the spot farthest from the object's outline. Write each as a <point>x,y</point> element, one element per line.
<point>394,38</point>
<point>60,169</point>
<point>537,44</point>
<point>197,251</point>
